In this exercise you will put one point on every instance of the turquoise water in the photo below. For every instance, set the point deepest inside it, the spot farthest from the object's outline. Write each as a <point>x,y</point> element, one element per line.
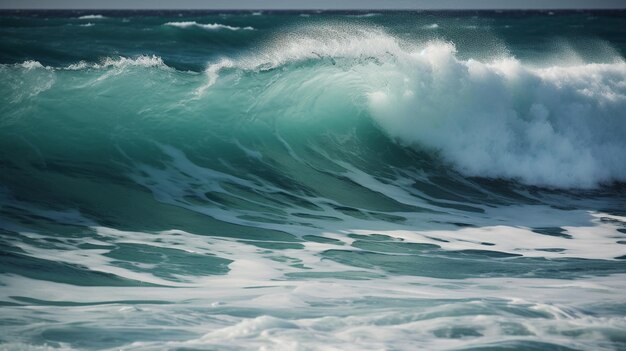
<point>313,180</point>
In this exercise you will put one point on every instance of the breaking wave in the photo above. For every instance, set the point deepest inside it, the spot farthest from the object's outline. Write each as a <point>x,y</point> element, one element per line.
<point>555,126</point>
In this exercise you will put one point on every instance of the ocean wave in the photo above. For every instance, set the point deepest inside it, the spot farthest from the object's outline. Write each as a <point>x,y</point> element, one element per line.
<point>554,126</point>
<point>558,126</point>
<point>210,26</point>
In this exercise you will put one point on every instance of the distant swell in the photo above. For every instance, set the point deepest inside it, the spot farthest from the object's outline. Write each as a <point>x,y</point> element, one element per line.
<point>210,26</point>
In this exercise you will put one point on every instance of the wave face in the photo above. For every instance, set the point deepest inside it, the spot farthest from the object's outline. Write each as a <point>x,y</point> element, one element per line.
<point>312,180</point>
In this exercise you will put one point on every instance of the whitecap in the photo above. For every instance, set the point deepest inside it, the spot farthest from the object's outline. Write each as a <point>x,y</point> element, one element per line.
<point>32,64</point>
<point>91,17</point>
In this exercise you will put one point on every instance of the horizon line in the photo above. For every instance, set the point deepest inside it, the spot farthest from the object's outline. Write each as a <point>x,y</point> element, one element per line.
<point>316,9</point>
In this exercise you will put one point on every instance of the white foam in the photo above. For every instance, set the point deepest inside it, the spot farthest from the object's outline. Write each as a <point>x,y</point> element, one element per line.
<point>106,63</point>
<point>141,61</point>
<point>91,17</point>
<point>31,64</point>
<point>295,311</point>
<point>591,242</point>
<point>212,73</point>
<point>554,306</point>
<point>210,26</point>
<point>147,61</point>
<point>78,66</point>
